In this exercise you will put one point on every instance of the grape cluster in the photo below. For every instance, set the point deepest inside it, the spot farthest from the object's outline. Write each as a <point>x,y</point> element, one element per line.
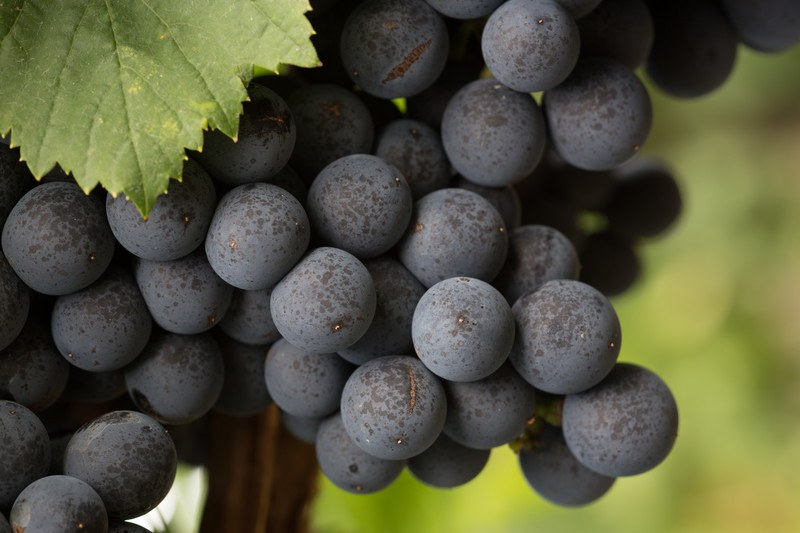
<point>409,288</point>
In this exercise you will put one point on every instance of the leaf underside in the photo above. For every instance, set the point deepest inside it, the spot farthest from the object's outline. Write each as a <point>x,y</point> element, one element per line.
<point>114,91</point>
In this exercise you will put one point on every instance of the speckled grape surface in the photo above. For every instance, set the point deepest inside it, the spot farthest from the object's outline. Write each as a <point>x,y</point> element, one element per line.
<point>15,303</point>
<point>32,372</point>
<point>127,457</point>
<point>489,412</point>
<point>349,467</point>
<point>24,450</point>
<point>393,407</point>
<point>265,140</point>
<point>244,392</point>
<point>325,303</point>
<point>416,150</point>
<point>625,425</point>
<point>305,384</point>
<point>177,223</point>
<point>57,239</point>
<point>448,464</point>
<point>361,204</point>
<point>493,136</point>
<point>536,254</point>
<point>568,337</point>
<point>465,9</point>
<point>394,48</point>
<point>55,504</point>
<point>530,45</point>
<point>462,329</point>
<point>259,231</point>
<point>104,326</point>
<point>600,117</point>
<point>454,232</point>
<point>332,122</point>
<point>397,293</point>
<point>505,199</point>
<point>177,378</point>
<point>183,296</point>
<point>248,319</point>
<point>556,475</point>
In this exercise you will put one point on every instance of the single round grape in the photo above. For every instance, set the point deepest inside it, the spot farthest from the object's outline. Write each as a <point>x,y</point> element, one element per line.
<point>416,150</point>
<point>303,384</point>
<point>493,136</point>
<point>568,337</point>
<point>55,504</point>
<point>57,239</point>
<point>625,425</point>
<point>95,387</point>
<point>360,204</point>
<point>536,254</point>
<point>619,29</point>
<point>609,263</point>
<point>465,9</point>
<point>177,223</point>
<point>259,231</point>
<point>248,319</point>
<point>504,199</point>
<point>177,378</point>
<point>332,122</point>
<point>325,303</point>
<point>244,392</point>
<point>32,372</point>
<point>556,475</point>
<point>24,450</point>
<point>600,116</point>
<point>447,464</point>
<point>264,141</point>
<point>393,407</point>
<point>15,302</point>
<point>767,25</point>
<point>463,329</point>
<point>184,296</point>
<point>489,412</point>
<point>104,326</point>
<point>454,232</point>
<point>127,457</point>
<point>394,48</point>
<point>301,428</point>
<point>530,45</point>
<point>397,293</point>
<point>349,467</point>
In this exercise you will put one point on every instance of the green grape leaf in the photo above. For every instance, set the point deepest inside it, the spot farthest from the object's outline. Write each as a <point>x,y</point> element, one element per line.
<point>114,91</point>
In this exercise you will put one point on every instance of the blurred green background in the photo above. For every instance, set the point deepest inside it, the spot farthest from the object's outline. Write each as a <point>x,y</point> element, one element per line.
<point>716,314</point>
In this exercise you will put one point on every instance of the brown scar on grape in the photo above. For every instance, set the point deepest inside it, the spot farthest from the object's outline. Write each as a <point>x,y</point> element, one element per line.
<point>412,383</point>
<point>334,108</point>
<point>401,68</point>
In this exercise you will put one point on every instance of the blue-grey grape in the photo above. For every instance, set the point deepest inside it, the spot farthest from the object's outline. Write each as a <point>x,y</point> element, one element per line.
<point>493,136</point>
<point>361,204</point>
<point>568,337</point>
<point>177,378</point>
<point>766,25</point>
<point>556,475</point>
<point>465,9</point>
<point>489,412</point>
<point>623,426</point>
<point>15,302</point>
<point>447,464</point>
<point>394,48</point>
<point>303,384</point>
<point>259,231</point>
<point>184,296</point>
<point>530,45</point>
<point>127,457</point>
<point>57,239</point>
<point>177,223</point>
<point>248,319</point>
<point>454,232</point>
<point>104,326</point>
<point>579,8</point>
<point>349,467</point>
<point>24,450</point>
<point>55,504</point>
<point>325,303</point>
<point>504,199</point>
<point>393,407</point>
<point>302,428</point>
<point>463,329</point>
<point>244,392</point>
<point>397,293</point>
<point>416,150</point>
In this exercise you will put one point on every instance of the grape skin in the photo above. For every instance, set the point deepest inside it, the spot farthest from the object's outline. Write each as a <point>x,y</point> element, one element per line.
<point>447,464</point>
<point>24,450</point>
<point>55,504</point>
<point>244,392</point>
<point>14,303</point>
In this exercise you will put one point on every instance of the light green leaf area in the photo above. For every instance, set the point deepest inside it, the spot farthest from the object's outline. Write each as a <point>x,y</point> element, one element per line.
<point>115,90</point>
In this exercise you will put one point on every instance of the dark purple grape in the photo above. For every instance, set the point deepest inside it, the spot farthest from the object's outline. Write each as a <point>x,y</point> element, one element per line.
<point>244,392</point>
<point>15,181</point>
<point>95,387</point>
<point>55,504</point>
<point>304,429</point>
<point>4,525</point>
<point>126,527</point>
<point>24,450</point>
<point>15,303</point>
<point>465,9</point>
<point>579,8</point>
<point>447,464</point>
<point>609,263</point>
<point>504,199</point>
<point>248,319</point>
<point>290,181</point>
<point>619,29</point>
<point>766,25</point>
